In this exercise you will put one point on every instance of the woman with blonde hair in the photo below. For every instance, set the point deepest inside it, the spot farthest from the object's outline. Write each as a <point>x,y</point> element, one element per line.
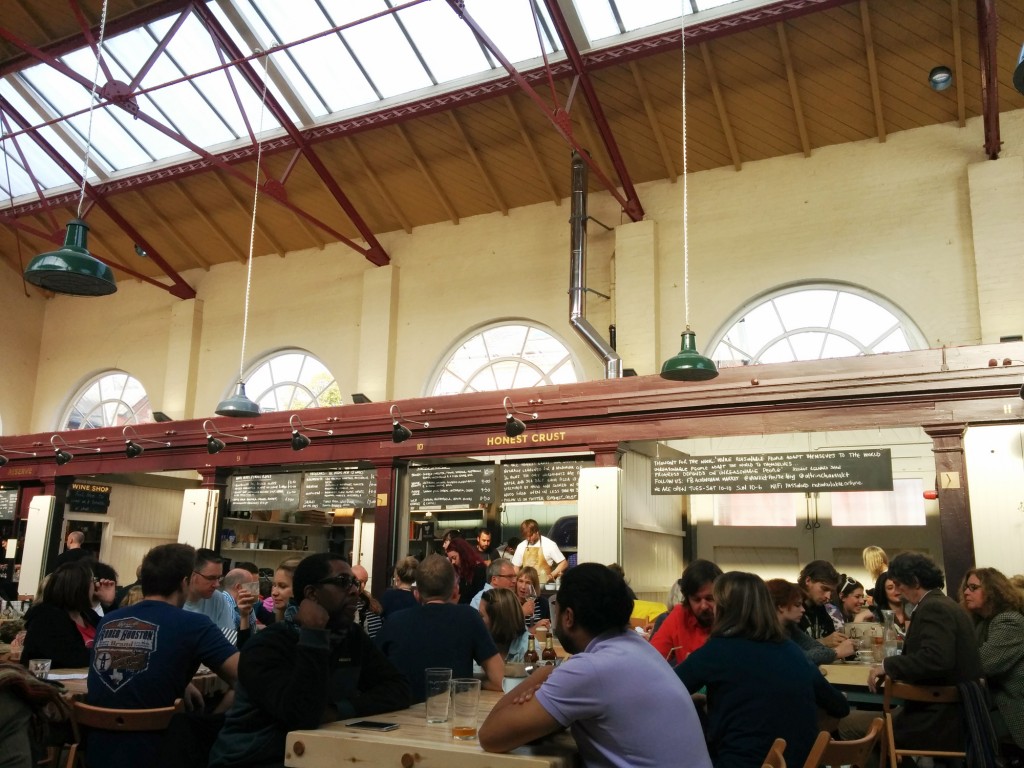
<point>760,686</point>
<point>281,589</point>
<point>535,608</point>
<point>400,595</point>
<point>876,562</point>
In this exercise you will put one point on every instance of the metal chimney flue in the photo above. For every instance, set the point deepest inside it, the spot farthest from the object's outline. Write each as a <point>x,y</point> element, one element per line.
<point>578,273</point>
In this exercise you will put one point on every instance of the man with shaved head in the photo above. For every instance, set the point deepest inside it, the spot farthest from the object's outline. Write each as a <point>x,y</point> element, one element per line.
<point>240,592</point>
<point>368,614</point>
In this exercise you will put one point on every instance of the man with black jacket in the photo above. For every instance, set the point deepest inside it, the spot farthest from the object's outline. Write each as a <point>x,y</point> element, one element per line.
<point>312,667</point>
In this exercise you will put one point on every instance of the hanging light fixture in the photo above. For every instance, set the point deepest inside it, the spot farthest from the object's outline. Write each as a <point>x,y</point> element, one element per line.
<point>62,456</point>
<point>72,270</point>
<point>4,459</point>
<point>399,432</point>
<point>689,364</point>
<point>513,426</point>
<point>239,405</point>
<point>132,449</point>
<point>299,440</point>
<point>214,444</point>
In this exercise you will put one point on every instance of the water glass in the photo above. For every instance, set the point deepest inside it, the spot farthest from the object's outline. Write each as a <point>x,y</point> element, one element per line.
<point>39,668</point>
<point>465,705</point>
<point>438,693</point>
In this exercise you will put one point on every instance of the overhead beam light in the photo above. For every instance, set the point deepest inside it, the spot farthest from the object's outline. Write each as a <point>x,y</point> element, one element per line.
<point>132,449</point>
<point>399,432</point>
<point>4,459</point>
<point>62,456</point>
<point>513,426</point>
<point>299,440</point>
<point>215,444</point>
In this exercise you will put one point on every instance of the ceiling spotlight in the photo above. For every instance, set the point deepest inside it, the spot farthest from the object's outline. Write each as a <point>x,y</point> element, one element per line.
<point>399,432</point>
<point>299,440</point>
<point>940,78</point>
<point>513,426</point>
<point>132,449</point>
<point>215,445</point>
<point>4,459</point>
<point>62,456</point>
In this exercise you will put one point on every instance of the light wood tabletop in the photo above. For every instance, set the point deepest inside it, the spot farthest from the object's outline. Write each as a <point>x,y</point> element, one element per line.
<point>853,674</point>
<point>415,743</point>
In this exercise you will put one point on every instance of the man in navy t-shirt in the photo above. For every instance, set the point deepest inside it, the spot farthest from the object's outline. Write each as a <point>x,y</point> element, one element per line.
<point>146,654</point>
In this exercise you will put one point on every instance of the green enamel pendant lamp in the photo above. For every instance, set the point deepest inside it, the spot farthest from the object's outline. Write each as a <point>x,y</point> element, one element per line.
<point>72,270</point>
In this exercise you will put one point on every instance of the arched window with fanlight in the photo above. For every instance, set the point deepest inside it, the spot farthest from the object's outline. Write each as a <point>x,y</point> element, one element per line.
<point>506,355</point>
<point>814,322</point>
<point>111,399</point>
<point>291,380</point>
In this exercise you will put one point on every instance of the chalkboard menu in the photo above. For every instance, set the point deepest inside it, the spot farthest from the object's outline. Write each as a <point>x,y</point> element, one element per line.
<point>861,470</point>
<point>251,492</point>
<point>340,488</point>
<point>463,485</point>
<point>89,497</point>
<point>8,504</point>
<point>540,481</point>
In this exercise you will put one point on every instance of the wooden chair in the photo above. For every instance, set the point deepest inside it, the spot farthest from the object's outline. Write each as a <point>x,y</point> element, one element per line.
<point>119,720</point>
<point>828,751</point>
<point>934,694</point>
<point>775,758</point>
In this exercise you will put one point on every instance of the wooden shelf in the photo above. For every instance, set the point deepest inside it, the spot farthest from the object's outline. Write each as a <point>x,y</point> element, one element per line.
<point>227,520</point>
<point>246,549</point>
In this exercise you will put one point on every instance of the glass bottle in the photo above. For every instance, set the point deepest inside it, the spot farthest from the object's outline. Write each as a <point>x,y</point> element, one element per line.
<point>549,655</point>
<point>890,639</point>
<point>531,657</point>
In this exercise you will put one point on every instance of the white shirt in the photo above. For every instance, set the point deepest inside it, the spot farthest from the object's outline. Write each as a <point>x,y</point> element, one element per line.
<point>548,548</point>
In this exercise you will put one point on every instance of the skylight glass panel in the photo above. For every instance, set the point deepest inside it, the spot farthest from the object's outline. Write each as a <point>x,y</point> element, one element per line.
<point>511,27</point>
<point>13,179</point>
<point>387,57</point>
<point>339,83</point>
<point>598,20</point>
<point>45,170</point>
<point>648,13</point>
<point>446,42</point>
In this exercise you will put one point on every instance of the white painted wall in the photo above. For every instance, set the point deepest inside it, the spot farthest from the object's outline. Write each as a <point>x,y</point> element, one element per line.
<point>995,477</point>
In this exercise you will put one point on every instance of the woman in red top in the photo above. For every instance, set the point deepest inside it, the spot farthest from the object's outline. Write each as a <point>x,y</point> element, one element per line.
<point>62,627</point>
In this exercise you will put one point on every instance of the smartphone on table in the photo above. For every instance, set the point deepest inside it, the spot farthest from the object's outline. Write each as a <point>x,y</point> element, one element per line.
<point>372,725</point>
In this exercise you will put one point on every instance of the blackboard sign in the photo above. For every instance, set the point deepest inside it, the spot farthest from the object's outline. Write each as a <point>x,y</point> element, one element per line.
<point>89,497</point>
<point>540,481</point>
<point>8,504</point>
<point>250,492</point>
<point>463,485</point>
<point>340,488</point>
<point>860,470</point>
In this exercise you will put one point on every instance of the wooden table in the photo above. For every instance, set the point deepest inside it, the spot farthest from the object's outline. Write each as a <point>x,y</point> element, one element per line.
<point>416,744</point>
<point>852,674</point>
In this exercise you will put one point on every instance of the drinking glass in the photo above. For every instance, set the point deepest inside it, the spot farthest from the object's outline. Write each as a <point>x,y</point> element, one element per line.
<point>39,668</point>
<point>465,704</point>
<point>438,693</point>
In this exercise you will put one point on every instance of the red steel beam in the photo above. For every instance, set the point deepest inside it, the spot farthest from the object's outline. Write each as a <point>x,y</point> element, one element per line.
<point>988,28</point>
<point>536,98</point>
<point>633,207</point>
<point>375,252</point>
<point>179,287</point>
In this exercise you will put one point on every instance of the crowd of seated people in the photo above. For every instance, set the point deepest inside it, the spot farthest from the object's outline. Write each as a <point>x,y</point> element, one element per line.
<point>740,644</point>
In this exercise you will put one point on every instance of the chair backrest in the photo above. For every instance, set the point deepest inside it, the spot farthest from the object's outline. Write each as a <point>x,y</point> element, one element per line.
<point>124,720</point>
<point>934,694</point>
<point>774,758</point>
<point>828,751</point>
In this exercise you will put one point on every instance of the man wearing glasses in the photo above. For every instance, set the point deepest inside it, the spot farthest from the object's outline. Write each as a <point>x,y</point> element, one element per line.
<point>500,573</point>
<point>312,667</point>
<point>207,576</point>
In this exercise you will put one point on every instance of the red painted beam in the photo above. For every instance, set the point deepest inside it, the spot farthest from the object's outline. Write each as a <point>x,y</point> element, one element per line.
<point>988,27</point>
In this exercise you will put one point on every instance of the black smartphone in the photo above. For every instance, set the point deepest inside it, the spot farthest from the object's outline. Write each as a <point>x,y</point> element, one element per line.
<point>372,725</point>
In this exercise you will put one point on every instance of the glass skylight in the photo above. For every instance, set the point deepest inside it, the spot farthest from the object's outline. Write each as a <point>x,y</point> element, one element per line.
<point>425,46</point>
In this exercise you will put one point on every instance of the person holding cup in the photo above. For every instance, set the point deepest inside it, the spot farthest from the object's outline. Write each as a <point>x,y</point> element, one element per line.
<point>241,591</point>
<point>536,610</point>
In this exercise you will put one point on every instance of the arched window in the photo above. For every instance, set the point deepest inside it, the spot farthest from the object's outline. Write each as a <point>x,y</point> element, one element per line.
<point>111,399</point>
<point>814,322</point>
<point>290,381</point>
<point>505,356</point>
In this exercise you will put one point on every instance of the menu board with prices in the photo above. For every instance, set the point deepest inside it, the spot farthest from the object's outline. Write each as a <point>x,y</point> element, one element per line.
<point>462,485</point>
<point>340,489</point>
<point>89,497</point>
<point>540,481</point>
<point>846,470</point>
<point>8,504</point>
<point>271,491</point>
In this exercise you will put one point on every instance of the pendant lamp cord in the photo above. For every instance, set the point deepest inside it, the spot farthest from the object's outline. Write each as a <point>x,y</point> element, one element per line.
<point>252,226</point>
<point>686,200</point>
<point>92,107</point>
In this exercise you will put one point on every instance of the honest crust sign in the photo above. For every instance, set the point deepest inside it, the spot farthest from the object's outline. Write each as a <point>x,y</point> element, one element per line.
<point>859,470</point>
